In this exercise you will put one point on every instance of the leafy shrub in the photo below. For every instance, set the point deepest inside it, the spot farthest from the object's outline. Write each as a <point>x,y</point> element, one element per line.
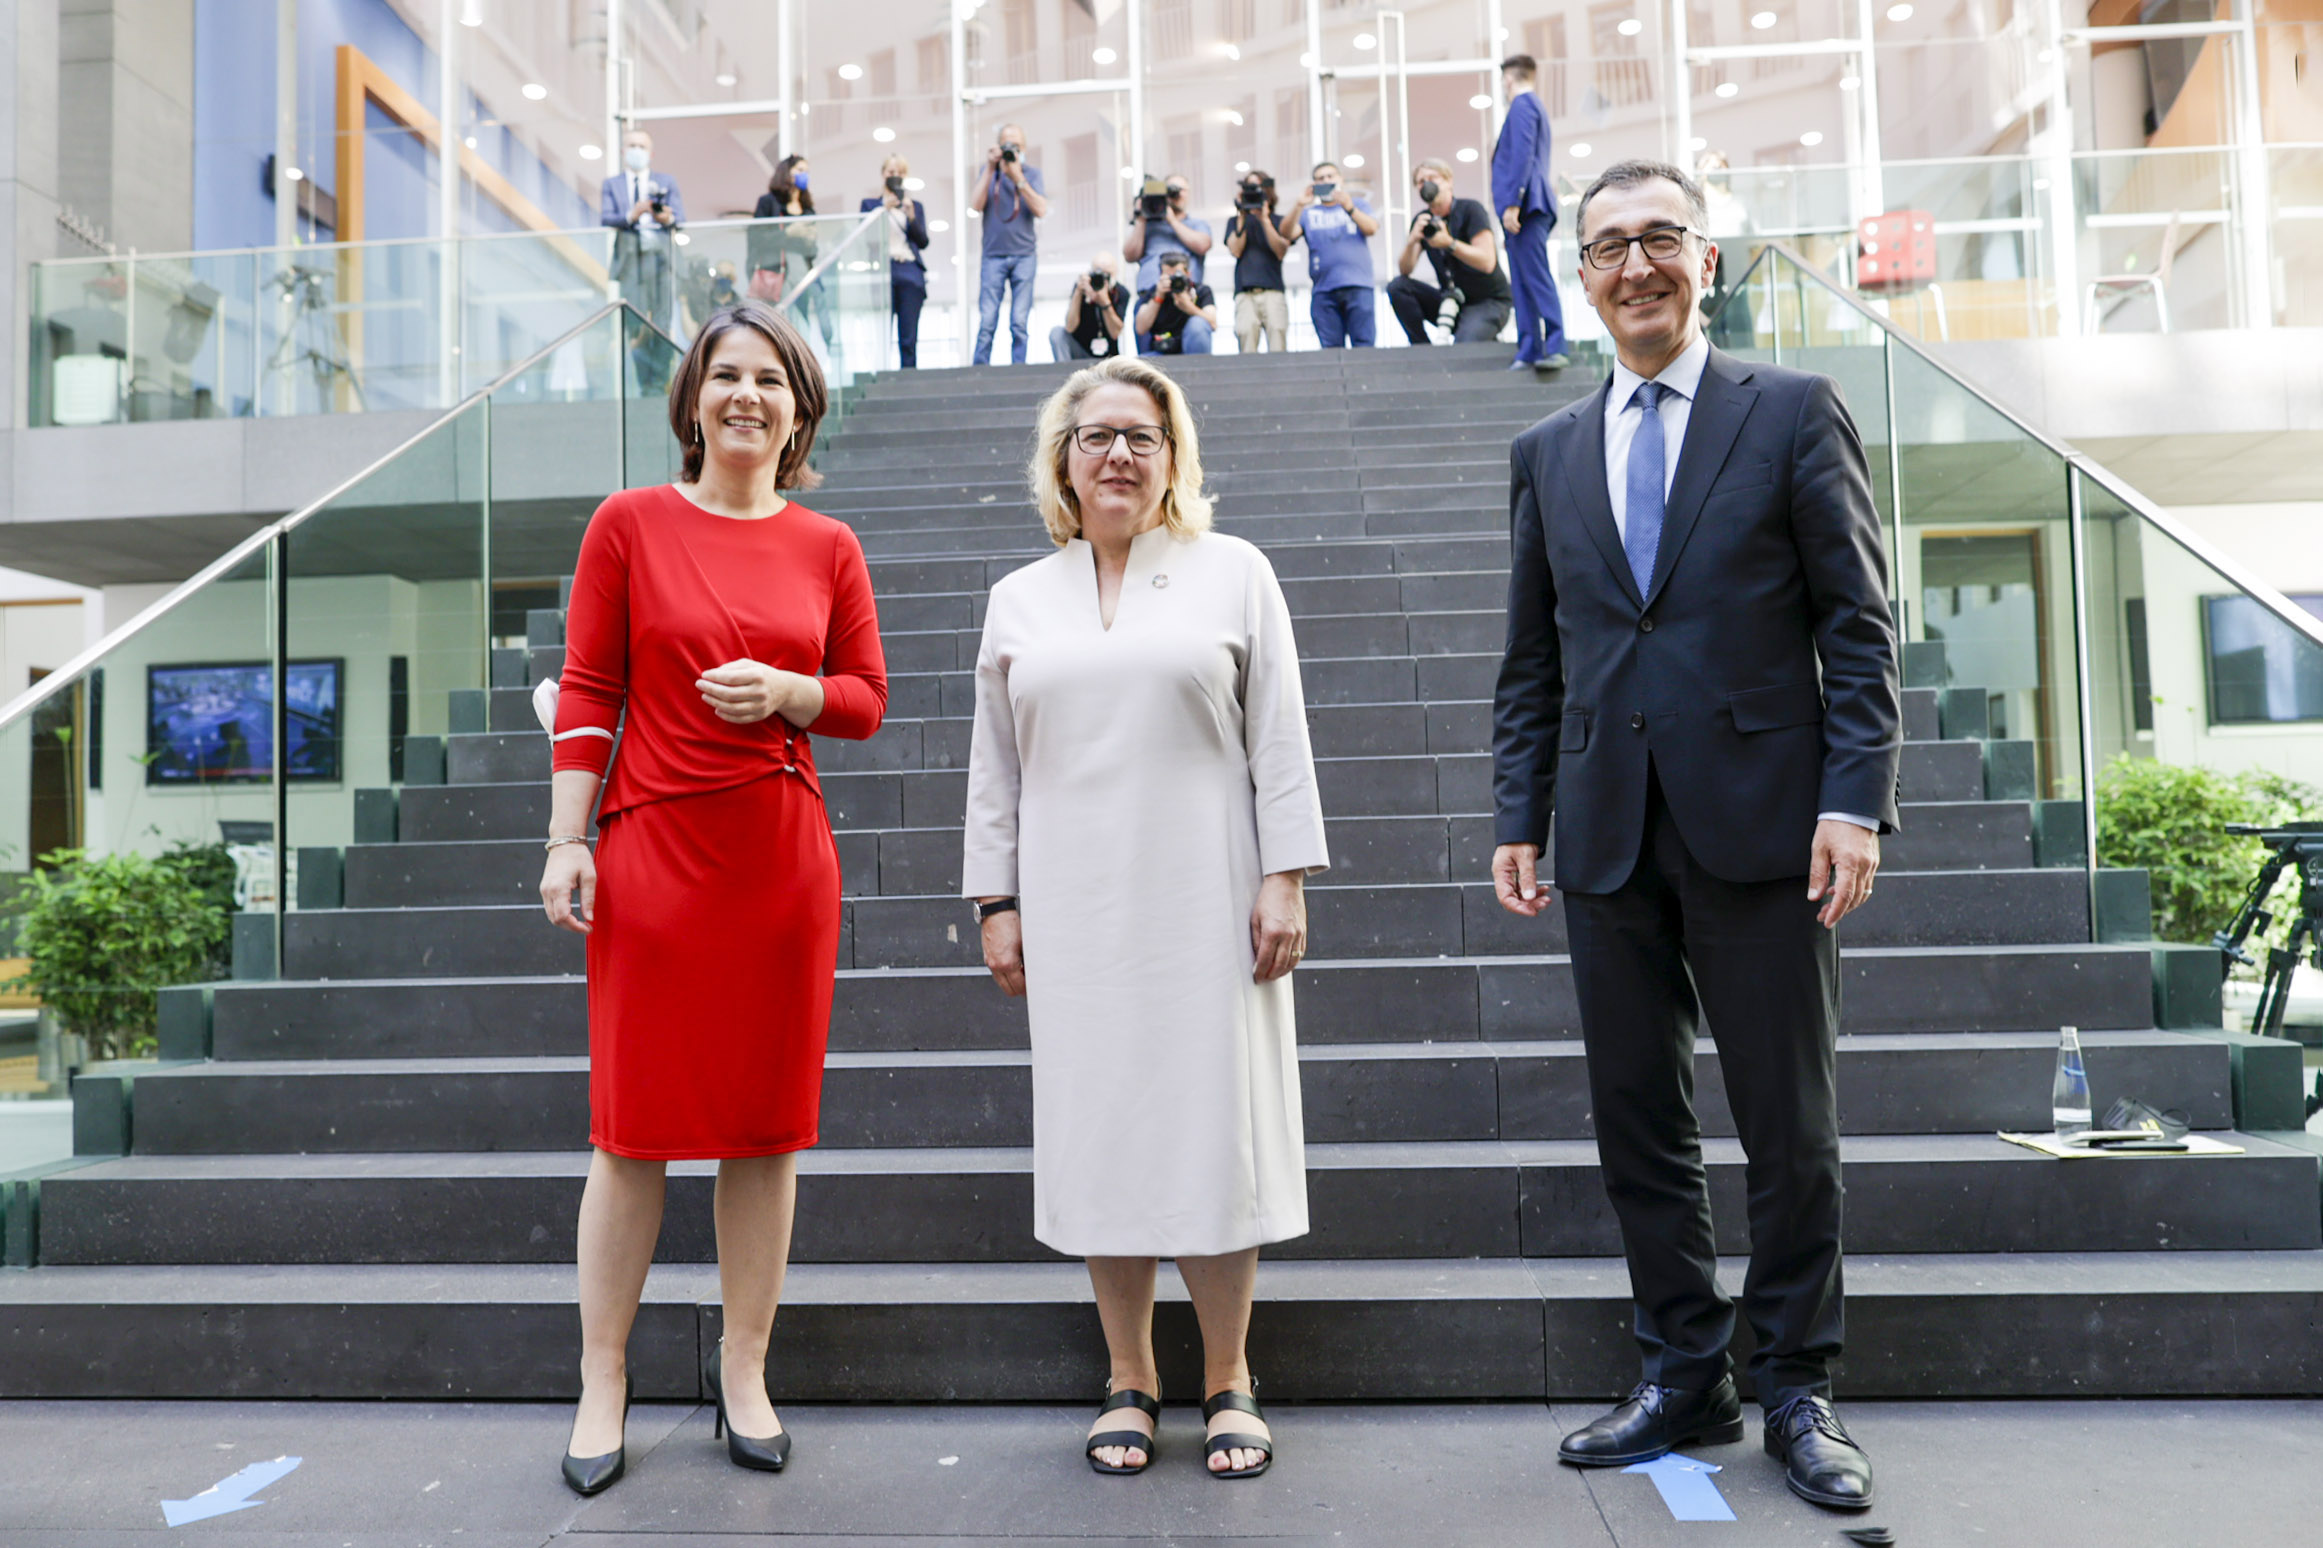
<point>2170,820</point>
<point>104,933</point>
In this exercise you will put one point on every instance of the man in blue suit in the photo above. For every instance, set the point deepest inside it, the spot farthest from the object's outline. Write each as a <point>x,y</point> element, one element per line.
<point>644,210</point>
<point>1526,196</point>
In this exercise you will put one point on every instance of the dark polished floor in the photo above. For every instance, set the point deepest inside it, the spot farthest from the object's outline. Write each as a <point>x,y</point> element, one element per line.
<point>82,1474</point>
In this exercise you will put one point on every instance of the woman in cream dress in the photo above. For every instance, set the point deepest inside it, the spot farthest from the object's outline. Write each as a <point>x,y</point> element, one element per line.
<point>1142,817</point>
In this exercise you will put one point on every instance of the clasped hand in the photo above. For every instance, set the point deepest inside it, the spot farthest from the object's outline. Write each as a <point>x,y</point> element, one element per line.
<point>742,692</point>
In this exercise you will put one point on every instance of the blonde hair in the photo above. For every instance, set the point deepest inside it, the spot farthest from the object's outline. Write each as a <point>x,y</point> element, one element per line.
<point>1185,509</point>
<point>902,167</point>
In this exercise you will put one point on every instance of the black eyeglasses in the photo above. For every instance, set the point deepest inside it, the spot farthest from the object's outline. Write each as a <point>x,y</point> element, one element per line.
<point>1097,440</point>
<point>1661,244</point>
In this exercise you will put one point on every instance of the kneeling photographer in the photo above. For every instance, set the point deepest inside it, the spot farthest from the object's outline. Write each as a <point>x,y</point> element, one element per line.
<point>1177,316</point>
<point>1470,295</point>
<point>1095,313</point>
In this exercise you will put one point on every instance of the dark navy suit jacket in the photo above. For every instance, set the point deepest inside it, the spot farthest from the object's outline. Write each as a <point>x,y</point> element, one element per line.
<point>1758,669</point>
<point>1520,161</point>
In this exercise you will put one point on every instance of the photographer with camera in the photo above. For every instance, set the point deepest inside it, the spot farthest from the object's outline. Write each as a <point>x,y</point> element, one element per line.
<point>907,238</point>
<point>1337,228</point>
<point>1161,225</point>
<point>1094,314</point>
<point>1261,309</point>
<point>645,210</point>
<point>1470,296</point>
<point>1179,315</point>
<point>1008,196</point>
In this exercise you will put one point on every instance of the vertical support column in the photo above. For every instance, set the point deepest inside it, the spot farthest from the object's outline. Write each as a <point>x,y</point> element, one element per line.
<point>2084,691</point>
<point>1870,181</point>
<point>1316,148</point>
<point>449,122</point>
<point>1681,89</point>
<point>1133,18</point>
<point>962,296</point>
<point>285,121</point>
<point>484,501</point>
<point>278,604</point>
<point>786,63</point>
<point>2254,198</point>
<point>613,104</point>
<point>2054,147</point>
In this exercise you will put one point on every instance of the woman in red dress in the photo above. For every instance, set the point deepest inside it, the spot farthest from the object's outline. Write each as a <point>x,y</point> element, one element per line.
<point>712,623</point>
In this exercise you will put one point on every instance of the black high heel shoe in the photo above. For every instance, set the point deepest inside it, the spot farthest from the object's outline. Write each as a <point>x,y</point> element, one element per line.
<point>766,1456</point>
<point>594,1475</point>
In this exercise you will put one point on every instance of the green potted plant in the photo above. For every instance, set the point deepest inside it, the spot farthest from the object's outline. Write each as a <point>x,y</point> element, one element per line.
<point>103,933</point>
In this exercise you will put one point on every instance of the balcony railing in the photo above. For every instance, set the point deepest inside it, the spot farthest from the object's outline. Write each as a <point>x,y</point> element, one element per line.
<point>416,324</point>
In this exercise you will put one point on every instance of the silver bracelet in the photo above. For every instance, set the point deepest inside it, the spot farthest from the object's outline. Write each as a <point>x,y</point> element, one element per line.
<point>566,838</point>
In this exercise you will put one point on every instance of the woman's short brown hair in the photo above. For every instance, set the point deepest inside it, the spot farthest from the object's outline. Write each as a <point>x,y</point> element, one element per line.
<point>810,398</point>
<point>1185,509</point>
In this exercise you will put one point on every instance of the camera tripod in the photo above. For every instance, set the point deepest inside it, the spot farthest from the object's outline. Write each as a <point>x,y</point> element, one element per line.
<point>2298,847</point>
<point>310,341</point>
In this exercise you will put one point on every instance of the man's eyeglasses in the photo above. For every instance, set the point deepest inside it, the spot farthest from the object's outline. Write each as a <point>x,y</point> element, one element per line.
<point>1661,244</point>
<point>1097,440</point>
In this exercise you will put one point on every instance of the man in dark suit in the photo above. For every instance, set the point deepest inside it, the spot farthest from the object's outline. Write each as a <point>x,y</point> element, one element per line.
<point>644,210</point>
<point>1700,687</point>
<point>1525,194</point>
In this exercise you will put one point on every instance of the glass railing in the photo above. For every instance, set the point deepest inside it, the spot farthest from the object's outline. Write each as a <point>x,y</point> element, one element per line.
<point>166,814</point>
<point>2089,640</point>
<point>370,326</point>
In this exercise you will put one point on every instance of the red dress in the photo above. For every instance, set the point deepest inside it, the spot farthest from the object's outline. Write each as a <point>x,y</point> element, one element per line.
<point>712,954</point>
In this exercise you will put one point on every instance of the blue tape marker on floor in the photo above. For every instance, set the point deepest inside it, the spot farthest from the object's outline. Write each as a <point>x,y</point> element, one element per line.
<point>1686,1487</point>
<point>228,1495</point>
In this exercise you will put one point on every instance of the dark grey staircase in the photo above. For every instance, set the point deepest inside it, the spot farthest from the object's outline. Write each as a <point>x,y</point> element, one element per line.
<point>368,1185</point>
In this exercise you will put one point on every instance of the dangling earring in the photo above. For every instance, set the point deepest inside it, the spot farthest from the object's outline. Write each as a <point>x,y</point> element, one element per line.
<point>698,433</point>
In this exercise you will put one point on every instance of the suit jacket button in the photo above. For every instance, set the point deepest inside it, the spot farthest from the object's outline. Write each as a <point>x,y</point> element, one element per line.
<point>1637,721</point>
<point>1645,625</point>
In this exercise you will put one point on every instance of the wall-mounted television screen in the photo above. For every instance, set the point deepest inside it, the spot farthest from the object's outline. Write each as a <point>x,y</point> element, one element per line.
<point>212,723</point>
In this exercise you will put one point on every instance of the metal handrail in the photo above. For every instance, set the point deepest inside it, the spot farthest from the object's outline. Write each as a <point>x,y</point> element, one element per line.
<point>2286,611</point>
<point>814,275</point>
<point>70,673</point>
<point>332,249</point>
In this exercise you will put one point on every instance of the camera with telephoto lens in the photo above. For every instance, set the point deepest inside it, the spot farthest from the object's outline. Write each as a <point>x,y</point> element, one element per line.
<point>1429,190</point>
<point>895,186</point>
<point>1179,284</point>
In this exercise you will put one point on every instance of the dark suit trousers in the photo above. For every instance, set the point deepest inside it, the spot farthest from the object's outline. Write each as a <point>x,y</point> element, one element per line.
<point>1672,946</point>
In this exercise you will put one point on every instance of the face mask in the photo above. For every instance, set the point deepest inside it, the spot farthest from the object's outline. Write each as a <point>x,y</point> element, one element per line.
<point>798,180</point>
<point>637,158</point>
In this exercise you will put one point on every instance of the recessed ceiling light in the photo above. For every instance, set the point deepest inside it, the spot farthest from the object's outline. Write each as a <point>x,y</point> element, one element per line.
<point>292,174</point>
<point>470,142</point>
<point>1850,82</point>
<point>1103,56</point>
<point>1763,20</point>
<point>1811,138</point>
<point>914,184</point>
<point>1234,118</point>
<point>1481,101</point>
<point>1465,153</point>
<point>1580,151</point>
<point>1230,51</point>
<point>1366,40</point>
<point>1307,60</point>
<point>1697,143</point>
<point>591,152</point>
<point>1900,12</point>
<point>1630,27</point>
<point>1129,174</point>
<point>1241,167</point>
<point>939,227</point>
<point>883,134</point>
<point>726,77</point>
<point>471,13</point>
<point>1727,88</point>
<point>1355,161</point>
<point>850,72</point>
<point>534,91</point>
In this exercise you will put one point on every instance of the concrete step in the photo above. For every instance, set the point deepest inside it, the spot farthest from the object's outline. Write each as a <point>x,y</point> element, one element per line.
<point>1374,1092</point>
<point>1952,1326</point>
<point>1970,1193</point>
<point>1884,989</point>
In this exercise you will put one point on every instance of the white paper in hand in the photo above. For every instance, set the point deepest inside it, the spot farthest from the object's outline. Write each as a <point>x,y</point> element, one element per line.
<point>544,704</point>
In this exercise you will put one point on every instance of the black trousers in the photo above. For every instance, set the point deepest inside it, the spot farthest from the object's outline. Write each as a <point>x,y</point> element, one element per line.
<point>1675,945</point>
<point>1414,303</point>
<point>908,288</point>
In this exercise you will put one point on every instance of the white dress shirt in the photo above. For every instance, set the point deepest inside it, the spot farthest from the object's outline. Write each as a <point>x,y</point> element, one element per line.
<point>1680,379</point>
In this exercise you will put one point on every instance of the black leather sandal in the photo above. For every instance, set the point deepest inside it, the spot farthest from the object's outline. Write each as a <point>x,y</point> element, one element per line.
<point>1235,1402</point>
<point>1127,1397</point>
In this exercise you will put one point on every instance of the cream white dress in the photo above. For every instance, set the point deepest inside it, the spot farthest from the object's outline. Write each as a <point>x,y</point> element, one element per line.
<point>1132,786</point>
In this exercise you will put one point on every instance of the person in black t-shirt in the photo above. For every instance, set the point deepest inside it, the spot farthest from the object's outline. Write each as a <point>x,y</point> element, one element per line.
<point>1177,316</point>
<point>1261,309</point>
<point>1470,295</point>
<point>1094,313</point>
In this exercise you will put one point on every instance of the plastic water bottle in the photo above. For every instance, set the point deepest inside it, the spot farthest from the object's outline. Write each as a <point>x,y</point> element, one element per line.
<point>2069,1098</point>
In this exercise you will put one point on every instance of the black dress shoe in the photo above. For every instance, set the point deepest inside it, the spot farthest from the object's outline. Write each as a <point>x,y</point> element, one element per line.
<point>1820,1459</point>
<point>594,1475</point>
<point>1653,1420</point>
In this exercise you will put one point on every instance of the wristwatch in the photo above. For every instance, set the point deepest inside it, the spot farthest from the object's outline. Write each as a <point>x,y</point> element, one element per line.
<point>985,911</point>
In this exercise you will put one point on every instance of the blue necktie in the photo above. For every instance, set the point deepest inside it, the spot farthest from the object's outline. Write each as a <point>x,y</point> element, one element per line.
<point>1642,535</point>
